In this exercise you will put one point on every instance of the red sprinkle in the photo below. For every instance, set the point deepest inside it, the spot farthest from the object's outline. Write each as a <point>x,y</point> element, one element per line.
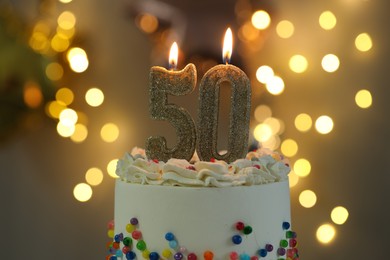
<point>155,160</point>
<point>257,166</point>
<point>190,167</point>
<point>212,160</point>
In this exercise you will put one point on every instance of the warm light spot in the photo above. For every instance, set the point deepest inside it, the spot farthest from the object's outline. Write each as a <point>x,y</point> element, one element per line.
<point>262,132</point>
<point>330,63</point>
<point>109,132</point>
<point>227,47</point>
<point>65,95</point>
<point>264,74</point>
<point>327,20</point>
<point>363,98</point>
<point>247,32</point>
<point>94,97</point>
<point>298,63</point>
<point>65,1</point>
<point>262,112</point>
<point>261,19</point>
<point>275,125</point>
<point>54,71</point>
<point>302,167</point>
<point>272,143</point>
<point>289,147</point>
<point>32,94</point>
<point>65,130</point>
<point>173,56</point>
<point>82,192</point>
<point>59,43</point>
<point>94,176</point>
<point>363,42</point>
<point>285,29</point>
<point>54,108</point>
<point>80,133</point>
<point>39,42</point>
<point>303,122</point>
<point>293,179</point>
<point>148,23</point>
<point>66,20</point>
<point>325,233</point>
<point>67,33</point>
<point>275,85</point>
<point>307,198</point>
<point>111,168</point>
<point>324,124</point>
<point>339,215</point>
<point>78,59</point>
<point>68,117</point>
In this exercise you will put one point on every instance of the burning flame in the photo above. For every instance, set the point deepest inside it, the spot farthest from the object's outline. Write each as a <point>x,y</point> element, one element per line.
<point>173,56</point>
<point>227,46</point>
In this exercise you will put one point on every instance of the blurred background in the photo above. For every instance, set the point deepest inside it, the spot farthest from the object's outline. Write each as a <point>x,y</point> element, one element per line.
<point>74,99</point>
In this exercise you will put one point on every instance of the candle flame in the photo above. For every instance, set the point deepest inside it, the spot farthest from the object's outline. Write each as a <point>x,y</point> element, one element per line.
<point>227,46</point>
<point>173,56</point>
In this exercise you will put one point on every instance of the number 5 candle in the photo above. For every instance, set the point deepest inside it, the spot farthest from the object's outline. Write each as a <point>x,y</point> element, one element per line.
<point>209,108</point>
<point>165,82</point>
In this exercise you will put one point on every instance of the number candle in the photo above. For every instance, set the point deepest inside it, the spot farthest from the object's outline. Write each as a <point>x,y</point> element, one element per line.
<point>165,82</point>
<point>209,107</point>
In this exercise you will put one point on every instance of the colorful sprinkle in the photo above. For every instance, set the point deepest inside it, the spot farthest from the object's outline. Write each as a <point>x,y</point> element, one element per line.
<point>110,233</point>
<point>262,252</point>
<point>173,244</point>
<point>136,234</point>
<point>192,256</point>
<point>245,257</point>
<point>236,239</point>
<point>110,224</point>
<point>126,249</point>
<point>166,253</point>
<point>117,238</point>
<point>154,256</point>
<point>208,255</point>
<point>130,255</point>
<point>283,243</point>
<point>281,251</point>
<point>127,241</point>
<point>293,242</point>
<point>254,258</point>
<point>247,230</point>
<point>178,256</point>
<point>141,245</point>
<point>130,228</point>
<point>145,254</point>
<point>233,255</point>
<point>286,225</point>
<point>169,236</point>
<point>240,225</point>
<point>182,249</point>
<point>134,221</point>
<point>257,166</point>
<point>269,247</point>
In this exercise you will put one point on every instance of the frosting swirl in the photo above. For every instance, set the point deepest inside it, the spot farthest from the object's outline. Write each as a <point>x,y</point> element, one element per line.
<point>259,167</point>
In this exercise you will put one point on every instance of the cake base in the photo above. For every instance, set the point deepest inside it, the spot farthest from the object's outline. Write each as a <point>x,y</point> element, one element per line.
<point>204,219</point>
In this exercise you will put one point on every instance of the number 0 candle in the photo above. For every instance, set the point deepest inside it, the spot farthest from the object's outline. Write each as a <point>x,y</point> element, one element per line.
<point>165,82</point>
<point>209,90</point>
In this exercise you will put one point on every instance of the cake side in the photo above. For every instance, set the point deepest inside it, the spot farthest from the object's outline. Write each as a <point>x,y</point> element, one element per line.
<point>204,219</point>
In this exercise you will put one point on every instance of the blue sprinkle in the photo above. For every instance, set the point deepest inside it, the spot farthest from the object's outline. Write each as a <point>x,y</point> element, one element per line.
<point>169,236</point>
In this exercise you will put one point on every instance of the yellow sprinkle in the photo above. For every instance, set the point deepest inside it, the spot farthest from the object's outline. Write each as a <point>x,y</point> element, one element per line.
<point>146,254</point>
<point>166,253</point>
<point>110,233</point>
<point>130,228</point>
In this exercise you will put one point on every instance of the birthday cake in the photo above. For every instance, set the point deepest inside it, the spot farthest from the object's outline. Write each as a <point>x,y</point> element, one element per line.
<point>203,210</point>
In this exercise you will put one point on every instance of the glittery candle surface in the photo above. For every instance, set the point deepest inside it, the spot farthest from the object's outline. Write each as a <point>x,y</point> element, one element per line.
<point>162,84</point>
<point>209,108</point>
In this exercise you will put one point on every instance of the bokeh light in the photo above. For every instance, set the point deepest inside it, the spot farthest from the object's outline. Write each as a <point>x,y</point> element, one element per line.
<point>264,74</point>
<point>298,63</point>
<point>148,23</point>
<point>289,147</point>
<point>261,19</point>
<point>302,167</point>
<point>272,143</point>
<point>262,112</point>
<point>65,95</point>
<point>324,124</point>
<point>66,20</point>
<point>327,20</point>
<point>262,132</point>
<point>32,94</point>
<point>363,42</point>
<point>363,98</point>
<point>285,29</point>
<point>303,122</point>
<point>293,179</point>
<point>80,133</point>
<point>247,32</point>
<point>59,43</point>
<point>330,63</point>
<point>54,71</point>
<point>325,233</point>
<point>68,117</point>
<point>94,97</point>
<point>307,198</point>
<point>339,215</point>
<point>54,108</point>
<point>109,132</point>
<point>82,192</point>
<point>65,130</point>
<point>65,1</point>
<point>276,125</point>
<point>78,60</point>
<point>111,168</point>
<point>275,85</point>
<point>94,176</point>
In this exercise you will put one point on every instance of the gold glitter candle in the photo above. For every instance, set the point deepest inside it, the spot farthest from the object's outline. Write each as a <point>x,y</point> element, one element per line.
<point>209,107</point>
<point>165,82</point>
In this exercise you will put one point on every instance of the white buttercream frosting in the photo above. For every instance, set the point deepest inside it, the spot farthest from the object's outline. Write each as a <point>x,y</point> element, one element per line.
<point>259,167</point>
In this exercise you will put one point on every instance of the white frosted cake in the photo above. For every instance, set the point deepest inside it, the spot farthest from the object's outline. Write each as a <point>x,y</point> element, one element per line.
<point>203,210</point>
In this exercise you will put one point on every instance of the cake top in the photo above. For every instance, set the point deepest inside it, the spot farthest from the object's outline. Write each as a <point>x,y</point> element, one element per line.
<point>258,167</point>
